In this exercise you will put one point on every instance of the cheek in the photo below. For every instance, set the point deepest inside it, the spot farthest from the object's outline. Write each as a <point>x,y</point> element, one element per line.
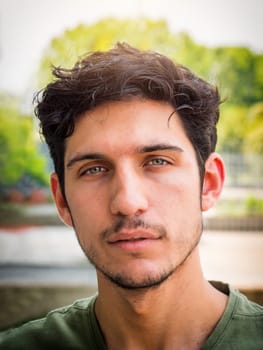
<point>83,197</point>
<point>177,203</point>
<point>182,187</point>
<point>178,199</point>
<point>88,210</point>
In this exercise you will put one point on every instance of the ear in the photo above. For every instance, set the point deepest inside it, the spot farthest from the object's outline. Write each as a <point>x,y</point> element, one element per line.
<point>213,181</point>
<point>60,201</point>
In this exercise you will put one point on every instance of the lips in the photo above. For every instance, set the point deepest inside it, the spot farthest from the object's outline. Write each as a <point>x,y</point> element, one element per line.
<point>132,236</point>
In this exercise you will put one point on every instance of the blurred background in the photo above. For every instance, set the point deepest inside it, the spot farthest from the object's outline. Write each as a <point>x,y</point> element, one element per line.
<point>41,264</point>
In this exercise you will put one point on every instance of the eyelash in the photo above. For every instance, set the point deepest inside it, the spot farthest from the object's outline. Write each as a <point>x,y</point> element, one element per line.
<point>98,169</point>
<point>90,171</point>
<point>158,160</point>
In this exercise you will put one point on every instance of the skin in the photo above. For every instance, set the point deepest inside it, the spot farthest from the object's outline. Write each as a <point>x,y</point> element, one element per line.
<point>134,199</point>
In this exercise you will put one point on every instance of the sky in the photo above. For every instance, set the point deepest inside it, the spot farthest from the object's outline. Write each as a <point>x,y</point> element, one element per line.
<point>27,26</point>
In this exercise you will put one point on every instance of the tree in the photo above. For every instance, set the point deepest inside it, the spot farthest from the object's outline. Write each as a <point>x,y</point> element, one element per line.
<point>240,129</point>
<point>232,128</point>
<point>253,142</point>
<point>74,43</point>
<point>237,70</point>
<point>19,155</point>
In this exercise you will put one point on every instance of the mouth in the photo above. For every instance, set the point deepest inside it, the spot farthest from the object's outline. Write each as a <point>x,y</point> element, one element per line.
<point>130,241</point>
<point>135,235</point>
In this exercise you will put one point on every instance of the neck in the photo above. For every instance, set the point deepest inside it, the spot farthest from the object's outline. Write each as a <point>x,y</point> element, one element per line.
<point>160,317</point>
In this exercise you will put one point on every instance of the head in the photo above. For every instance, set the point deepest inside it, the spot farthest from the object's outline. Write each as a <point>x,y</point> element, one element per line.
<point>131,135</point>
<point>122,74</point>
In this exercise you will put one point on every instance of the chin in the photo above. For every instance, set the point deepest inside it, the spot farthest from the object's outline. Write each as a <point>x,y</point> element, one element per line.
<point>139,278</point>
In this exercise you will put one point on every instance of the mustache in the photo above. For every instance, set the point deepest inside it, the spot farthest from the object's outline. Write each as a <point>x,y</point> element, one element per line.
<point>131,224</point>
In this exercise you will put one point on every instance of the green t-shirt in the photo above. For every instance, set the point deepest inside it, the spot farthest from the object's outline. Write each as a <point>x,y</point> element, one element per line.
<point>76,327</point>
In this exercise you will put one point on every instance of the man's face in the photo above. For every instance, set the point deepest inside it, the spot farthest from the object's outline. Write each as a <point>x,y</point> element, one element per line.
<point>133,191</point>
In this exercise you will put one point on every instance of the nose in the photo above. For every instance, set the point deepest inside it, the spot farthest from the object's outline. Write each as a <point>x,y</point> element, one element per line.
<point>128,195</point>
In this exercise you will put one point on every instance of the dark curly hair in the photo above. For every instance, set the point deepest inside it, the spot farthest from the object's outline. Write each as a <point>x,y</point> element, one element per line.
<point>124,73</point>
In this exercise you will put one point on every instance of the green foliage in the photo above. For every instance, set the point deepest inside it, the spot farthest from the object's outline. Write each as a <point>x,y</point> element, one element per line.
<point>250,206</point>
<point>240,129</point>
<point>254,206</point>
<point>74,43</point>
<point>236,70</point>
<point>253,142</point>
<point>231,128</point>
<point>19,154</point>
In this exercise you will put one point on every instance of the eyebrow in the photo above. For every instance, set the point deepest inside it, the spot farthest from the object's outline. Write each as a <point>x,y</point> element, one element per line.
<point>143,149</point>
<point>159,147</point>
<point>84,156</point>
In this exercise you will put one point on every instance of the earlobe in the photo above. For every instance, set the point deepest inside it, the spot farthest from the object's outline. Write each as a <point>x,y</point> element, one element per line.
<point>213,181</point>
<point>60,201</point>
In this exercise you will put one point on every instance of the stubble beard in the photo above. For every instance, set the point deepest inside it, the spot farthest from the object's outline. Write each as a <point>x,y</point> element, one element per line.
<point>125,280</point>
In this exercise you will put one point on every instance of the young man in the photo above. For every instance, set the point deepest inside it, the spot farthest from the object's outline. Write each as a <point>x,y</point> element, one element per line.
<point>132,136</point>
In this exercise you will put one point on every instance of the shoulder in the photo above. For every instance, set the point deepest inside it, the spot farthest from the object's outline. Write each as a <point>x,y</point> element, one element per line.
<point>61,326</point>
<point>241,326</point>
<point>246,324</point>
<point>247,315</point>
<point>244,309</point>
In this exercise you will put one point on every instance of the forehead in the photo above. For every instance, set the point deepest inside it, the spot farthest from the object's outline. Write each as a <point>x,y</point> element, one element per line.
<point>126,125</point>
